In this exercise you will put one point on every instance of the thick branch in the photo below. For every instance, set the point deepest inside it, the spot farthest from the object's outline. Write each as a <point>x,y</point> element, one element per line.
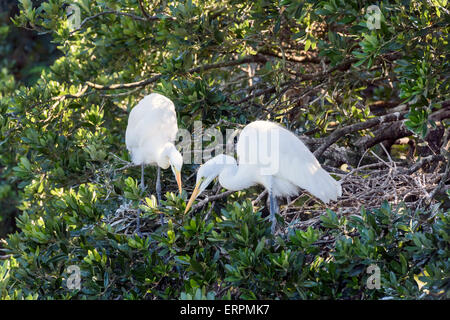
<point>339,133</point>
<point>379,107</point>
<point>397,130</point>
<point>441,114</point>
<point>307,58</point>
<point>389,131</point>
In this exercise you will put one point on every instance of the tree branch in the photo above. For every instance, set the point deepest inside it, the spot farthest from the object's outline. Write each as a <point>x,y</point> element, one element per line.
<point>398,130</point>
<point>307,58</point>
<point>389,131</point>
<point>119,13</point>
<point>419,164</point>
<point>144,12</point>
<point>339,133</point>
<point>142,83</point>
<point>212,198</point>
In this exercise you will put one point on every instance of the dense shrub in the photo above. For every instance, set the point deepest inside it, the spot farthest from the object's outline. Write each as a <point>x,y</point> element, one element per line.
<point>314,66</point>
<point>228,255</point>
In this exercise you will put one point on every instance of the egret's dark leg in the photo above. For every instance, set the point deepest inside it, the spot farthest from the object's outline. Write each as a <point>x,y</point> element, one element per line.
<point>142,177</point>
<point>273,211</point>
<point>158,190</point>
<point>138,220</point>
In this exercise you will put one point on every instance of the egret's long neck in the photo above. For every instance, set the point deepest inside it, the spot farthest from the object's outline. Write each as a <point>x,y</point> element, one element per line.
<point>234,177</point>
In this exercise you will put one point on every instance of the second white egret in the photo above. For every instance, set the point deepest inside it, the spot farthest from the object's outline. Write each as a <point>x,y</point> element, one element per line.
<point>150,135</point>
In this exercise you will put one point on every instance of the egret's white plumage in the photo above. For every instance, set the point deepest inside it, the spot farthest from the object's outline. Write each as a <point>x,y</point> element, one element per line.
<point>291,165</point>
<point>298,167</point>
<point>151,132</point>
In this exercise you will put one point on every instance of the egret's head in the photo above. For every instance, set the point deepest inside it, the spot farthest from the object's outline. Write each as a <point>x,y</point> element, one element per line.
<point>175,160</point>
<point>207,173</point>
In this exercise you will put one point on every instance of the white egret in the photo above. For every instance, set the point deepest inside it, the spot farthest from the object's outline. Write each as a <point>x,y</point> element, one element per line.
<point>150,135</point>
<point>271,156</point>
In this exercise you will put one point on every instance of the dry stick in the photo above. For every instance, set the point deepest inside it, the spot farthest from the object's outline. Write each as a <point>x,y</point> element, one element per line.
<point>419,164</point>
<point>127,163</point>
<point>259,93</point>
<point>258,198</point>
<point>378,157</point>
<point>389,156</point>
<point>367,166</point>
<point>394,168</point>
<point>357,167</point>
<point>212,198</point>
<point>286,208</point>
<point>141,83</point>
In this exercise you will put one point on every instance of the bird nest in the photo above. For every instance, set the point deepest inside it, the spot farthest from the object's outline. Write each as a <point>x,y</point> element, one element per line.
<point>367,186</point>
<point>125,221</point>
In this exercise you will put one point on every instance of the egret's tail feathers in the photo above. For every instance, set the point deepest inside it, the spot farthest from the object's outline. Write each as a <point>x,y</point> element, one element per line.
<point>325,187</point>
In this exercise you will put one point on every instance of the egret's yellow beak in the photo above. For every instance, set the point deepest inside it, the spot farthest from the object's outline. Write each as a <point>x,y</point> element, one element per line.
<point>178,178</point>
<point>193,197</point>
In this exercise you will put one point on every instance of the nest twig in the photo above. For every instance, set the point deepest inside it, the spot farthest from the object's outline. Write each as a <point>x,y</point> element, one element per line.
<point>369,188</point>
<point>125,221</point>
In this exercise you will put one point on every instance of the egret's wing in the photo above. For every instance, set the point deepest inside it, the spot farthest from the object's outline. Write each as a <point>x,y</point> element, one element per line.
<point>290,159</point>
<point>300,166</point>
